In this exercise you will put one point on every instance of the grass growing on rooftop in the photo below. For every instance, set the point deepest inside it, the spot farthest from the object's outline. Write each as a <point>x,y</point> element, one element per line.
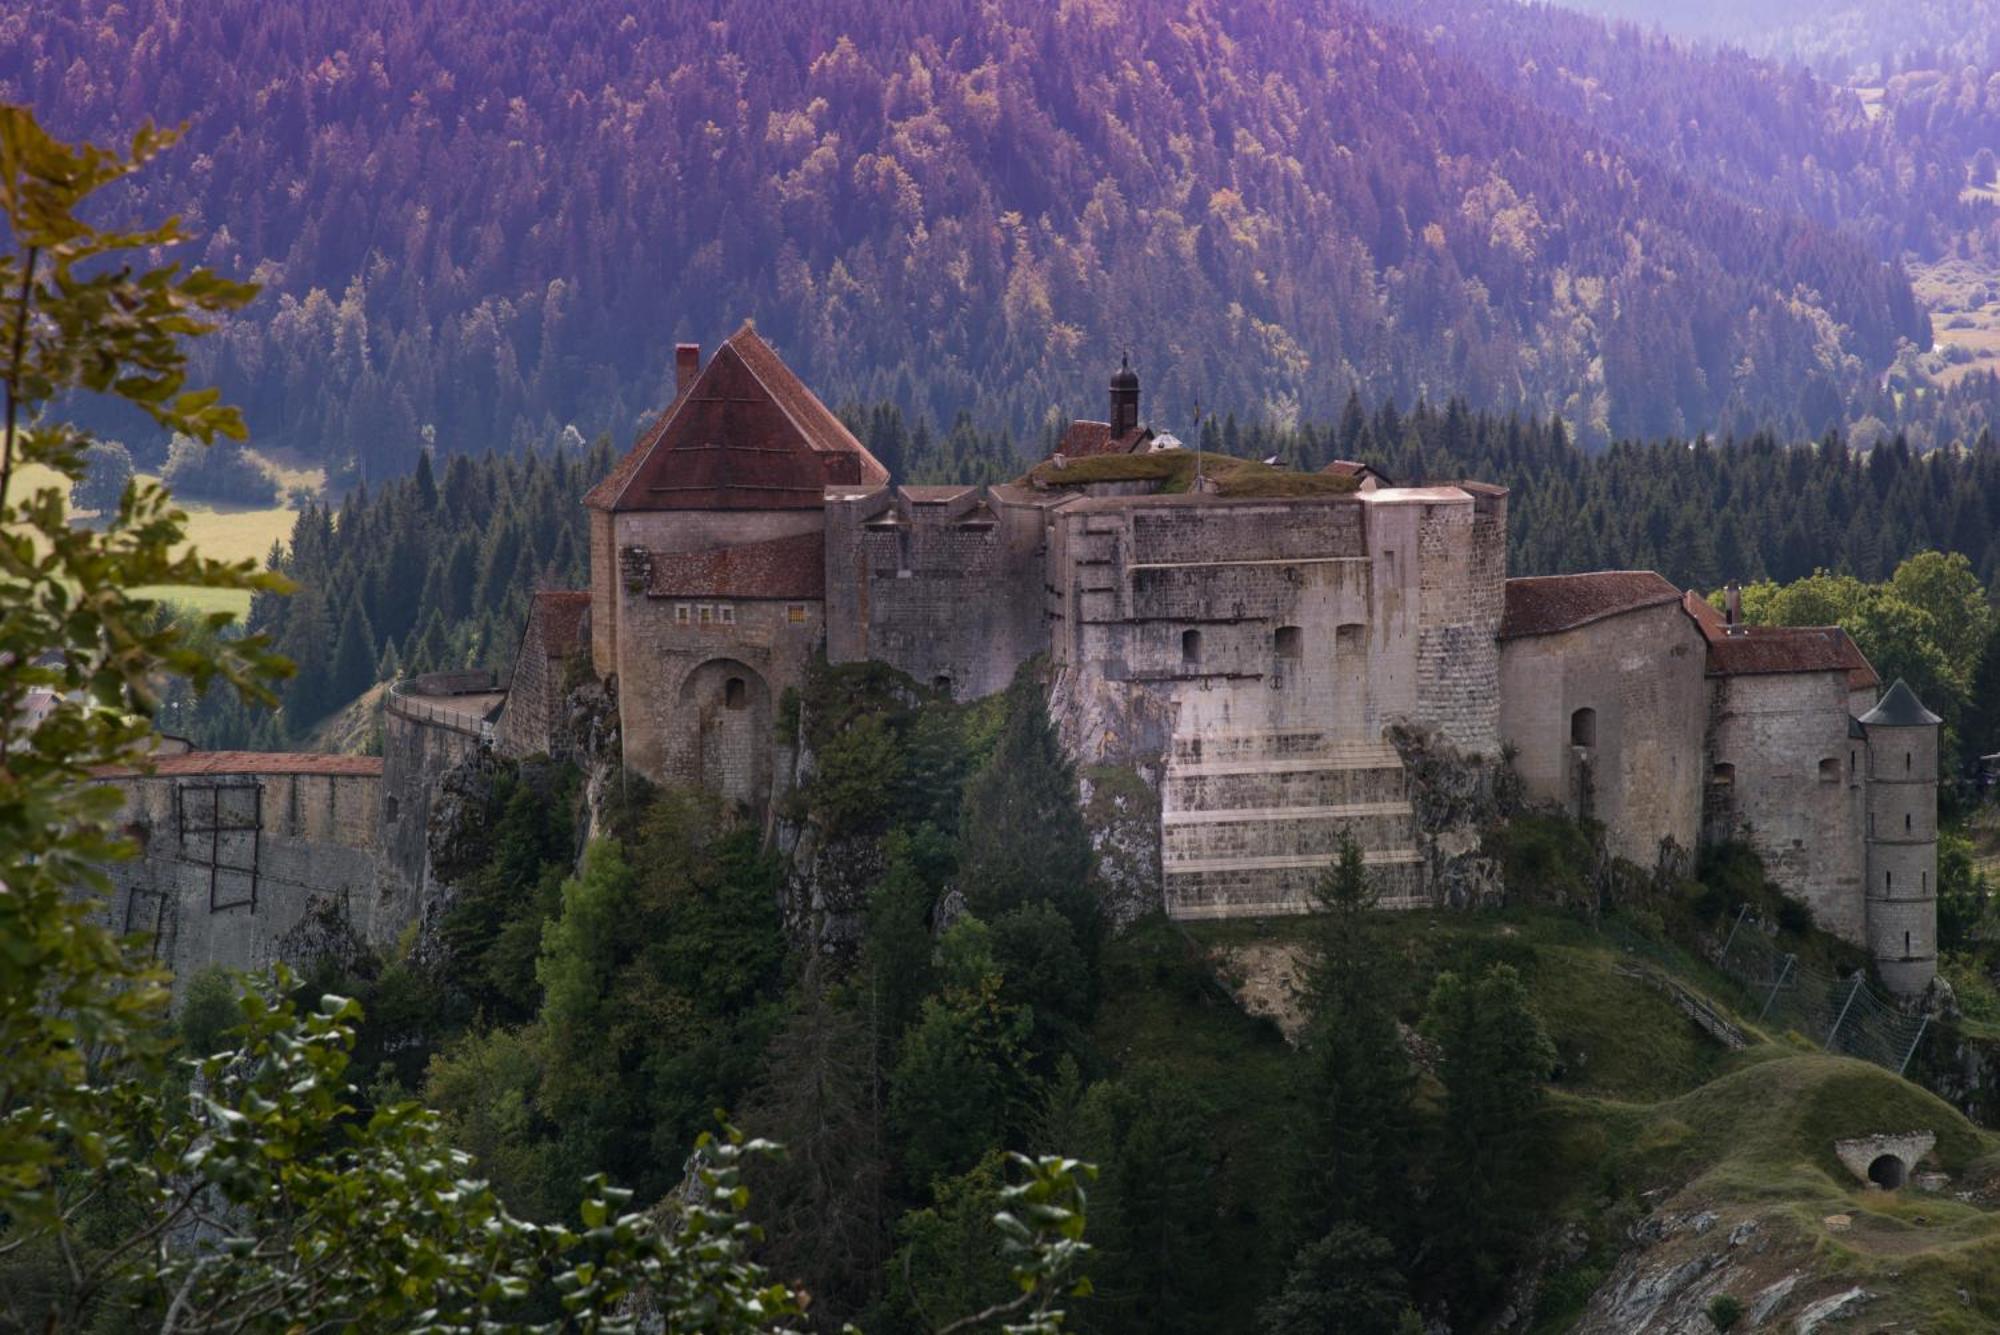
<point>1173,471</point>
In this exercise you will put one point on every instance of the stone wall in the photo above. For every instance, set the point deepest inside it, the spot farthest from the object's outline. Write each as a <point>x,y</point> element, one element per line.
<point>604,593</point>
<point>274,861</point>
<point>698,703</point>
<point>1633,761</point>
<point>672,729</point>
<point>1277,639</point>
<point>1785,777</point>
<point>942,583</point>
<point>430,725</point>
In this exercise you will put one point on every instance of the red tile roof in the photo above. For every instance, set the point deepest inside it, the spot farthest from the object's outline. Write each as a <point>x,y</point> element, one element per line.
<point>747,435</point>
<point>1546,604</point>
<point>558,614</point>
<point>1083,438</point>
<point>1355,469</point>
<point>1765,650</point>
<point>792,567</point>
<point>249,762</point>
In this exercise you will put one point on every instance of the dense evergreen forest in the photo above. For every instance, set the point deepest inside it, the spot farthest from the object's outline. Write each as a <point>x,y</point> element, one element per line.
<point>495,222</point>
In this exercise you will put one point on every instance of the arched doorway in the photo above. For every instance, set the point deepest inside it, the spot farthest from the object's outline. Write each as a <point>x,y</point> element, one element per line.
<point>725,731</point>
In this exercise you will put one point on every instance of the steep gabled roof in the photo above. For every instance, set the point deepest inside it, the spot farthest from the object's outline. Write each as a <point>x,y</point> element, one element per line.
<point>1900,708</point>
<point>793,567</point>
<point>1547,604</point>
<point>746,435</point>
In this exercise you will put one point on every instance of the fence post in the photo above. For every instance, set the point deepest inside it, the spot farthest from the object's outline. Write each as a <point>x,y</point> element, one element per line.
<point>1841,1018</point>
<point>1926,1023</point>
<point>1783,974</point>
<point>1730,940</point>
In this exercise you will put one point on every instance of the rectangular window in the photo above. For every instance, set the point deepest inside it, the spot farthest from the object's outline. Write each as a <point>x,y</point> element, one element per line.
<point>796,614</point>
<point>680,614</point>
<point>726,614</point>
<point>704,614</point>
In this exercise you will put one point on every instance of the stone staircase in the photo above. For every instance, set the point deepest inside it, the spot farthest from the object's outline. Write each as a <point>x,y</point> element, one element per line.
<point>1249,821</point>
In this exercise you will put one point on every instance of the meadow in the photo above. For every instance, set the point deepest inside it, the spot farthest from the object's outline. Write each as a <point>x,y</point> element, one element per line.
<point>228,532</point>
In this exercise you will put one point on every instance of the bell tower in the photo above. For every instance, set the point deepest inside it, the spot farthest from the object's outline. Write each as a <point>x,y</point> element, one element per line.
<point>1124,399</point>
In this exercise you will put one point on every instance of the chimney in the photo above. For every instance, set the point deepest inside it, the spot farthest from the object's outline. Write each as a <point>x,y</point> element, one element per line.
<point>1733,607</point>
<point>687,365</point>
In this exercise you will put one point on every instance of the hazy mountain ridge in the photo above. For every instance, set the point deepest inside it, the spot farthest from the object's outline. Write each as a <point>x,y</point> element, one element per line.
<point>498,221</point>
<point>1838,38</point>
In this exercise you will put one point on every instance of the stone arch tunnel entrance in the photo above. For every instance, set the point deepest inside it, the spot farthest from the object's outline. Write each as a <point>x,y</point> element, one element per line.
<point>1888,1171</point>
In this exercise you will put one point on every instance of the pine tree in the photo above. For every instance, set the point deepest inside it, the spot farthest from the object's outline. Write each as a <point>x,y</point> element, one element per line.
<point>1494,1056</point>
<point>426,483</point>
<point>353,656</point>
<point>1358,1072</point>
<point>1026,785</point>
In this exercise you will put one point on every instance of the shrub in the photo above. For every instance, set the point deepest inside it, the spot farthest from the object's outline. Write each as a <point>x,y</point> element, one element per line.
<point>218,472</point>
<point>1724,1311</point>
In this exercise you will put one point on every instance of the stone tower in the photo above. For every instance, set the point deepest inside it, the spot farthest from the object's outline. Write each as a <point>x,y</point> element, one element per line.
<point>1902,839</point>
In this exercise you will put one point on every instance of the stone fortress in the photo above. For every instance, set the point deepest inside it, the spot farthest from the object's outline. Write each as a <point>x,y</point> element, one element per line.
<point>1272,660</point>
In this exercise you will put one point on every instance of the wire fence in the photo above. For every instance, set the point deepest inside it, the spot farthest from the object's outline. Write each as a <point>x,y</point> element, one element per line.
<point>1840,1014</point>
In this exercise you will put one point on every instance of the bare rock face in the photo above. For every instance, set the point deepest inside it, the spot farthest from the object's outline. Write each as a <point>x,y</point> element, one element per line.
<point>325,933</point>
<point>1122,812</point>
<point>455,837</point>
<point>826,892</point>
<point>1454,798</point>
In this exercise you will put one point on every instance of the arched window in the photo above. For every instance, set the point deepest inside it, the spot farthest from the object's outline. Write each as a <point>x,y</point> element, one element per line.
<point>734,693</point>
<point>1583,728</point>
<point>1190,648</point>
<point>1289,642</point>
<point>390,806</point>
<point>1888,882</point>
<point>1722,774</point>
<point>1906,762</point>
<point>942,683</point>
<point>1906,822</point>
<point>1829,770</point>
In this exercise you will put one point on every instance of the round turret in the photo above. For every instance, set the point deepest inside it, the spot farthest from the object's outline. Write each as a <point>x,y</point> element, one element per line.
<point>1902,839</point>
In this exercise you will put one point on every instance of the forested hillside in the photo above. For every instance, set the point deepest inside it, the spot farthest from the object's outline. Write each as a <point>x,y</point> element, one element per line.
<point>1837,37</point>
<point>1893,174</point>
<point>496,219</point>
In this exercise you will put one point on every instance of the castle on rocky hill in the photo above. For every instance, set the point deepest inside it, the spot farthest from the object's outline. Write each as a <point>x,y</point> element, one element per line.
<point>1283,659</point>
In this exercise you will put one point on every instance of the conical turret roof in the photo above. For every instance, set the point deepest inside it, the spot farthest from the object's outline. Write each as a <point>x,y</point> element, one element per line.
<point>1900,708</point>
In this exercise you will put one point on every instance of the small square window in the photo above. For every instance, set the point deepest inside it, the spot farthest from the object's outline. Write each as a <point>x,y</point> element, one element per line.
<point>796,614</point>
<point>680,614</point>
<point>704,614</point>
<point>726,614</point>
